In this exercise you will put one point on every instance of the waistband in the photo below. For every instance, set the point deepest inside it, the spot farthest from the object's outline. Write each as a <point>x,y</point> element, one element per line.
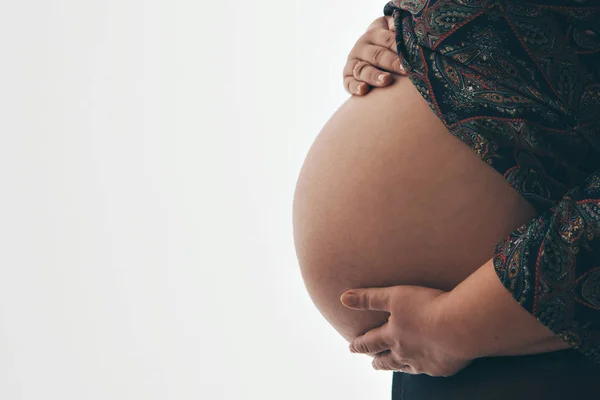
<point>559,375</point>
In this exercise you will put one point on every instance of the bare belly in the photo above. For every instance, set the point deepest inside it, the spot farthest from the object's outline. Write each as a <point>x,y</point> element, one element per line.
<point>387,196</point>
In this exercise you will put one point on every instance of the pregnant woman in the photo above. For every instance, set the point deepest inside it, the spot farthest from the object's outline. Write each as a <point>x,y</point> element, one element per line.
<point>460,203</point>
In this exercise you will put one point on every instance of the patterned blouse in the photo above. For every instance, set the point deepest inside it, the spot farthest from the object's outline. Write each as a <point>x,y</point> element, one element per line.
<point>519,82</point>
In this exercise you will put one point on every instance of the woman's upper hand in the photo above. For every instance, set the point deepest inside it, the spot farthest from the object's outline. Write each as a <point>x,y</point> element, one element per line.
<point>373,56</point>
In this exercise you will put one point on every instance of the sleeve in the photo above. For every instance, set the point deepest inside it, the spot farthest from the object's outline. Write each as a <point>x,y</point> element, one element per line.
<point>551,266</point>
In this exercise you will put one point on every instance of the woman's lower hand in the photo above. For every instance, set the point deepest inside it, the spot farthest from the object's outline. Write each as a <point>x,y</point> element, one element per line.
<point>416,339</point>
<point>372,59</point>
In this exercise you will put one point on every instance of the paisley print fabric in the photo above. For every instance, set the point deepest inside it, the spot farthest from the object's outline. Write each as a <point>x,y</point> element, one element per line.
<point>519,83</point>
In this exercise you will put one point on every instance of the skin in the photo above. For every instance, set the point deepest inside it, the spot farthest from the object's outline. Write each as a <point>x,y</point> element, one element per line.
<point>480,307</point>
<point>439,333</point>
<point>387,196</point>
<point>428,330</point>
<point>479,318</point>
<point>372,59</point>
<point>411,341</point>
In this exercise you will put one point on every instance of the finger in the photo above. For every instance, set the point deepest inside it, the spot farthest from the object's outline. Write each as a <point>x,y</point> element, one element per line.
<point>383,38</point>
<point>388,362</point>
<point>377,48</point>
<point>363,72</point>
<point>376,299</point>
<point>382,58</point>
<point>371,55</point>
<point>379,23</point>
<point>387,23</point>
<point>376,51</point>
<point>373,342</point>
<point>355,87</point>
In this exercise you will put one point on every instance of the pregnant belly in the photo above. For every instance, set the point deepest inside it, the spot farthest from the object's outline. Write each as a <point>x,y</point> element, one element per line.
<point>387,196</point>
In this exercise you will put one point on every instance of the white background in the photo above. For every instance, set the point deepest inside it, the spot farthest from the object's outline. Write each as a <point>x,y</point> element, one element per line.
<point>149,152</point>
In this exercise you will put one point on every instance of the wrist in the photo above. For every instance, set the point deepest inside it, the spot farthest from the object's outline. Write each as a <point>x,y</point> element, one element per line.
<point>453,328</point>
<point>486,321</point>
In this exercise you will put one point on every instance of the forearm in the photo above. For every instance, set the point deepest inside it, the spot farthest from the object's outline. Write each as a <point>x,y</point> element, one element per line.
<point>491,322</point>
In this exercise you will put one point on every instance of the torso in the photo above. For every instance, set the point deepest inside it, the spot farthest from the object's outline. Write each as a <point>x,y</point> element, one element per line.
<point>387,196</point>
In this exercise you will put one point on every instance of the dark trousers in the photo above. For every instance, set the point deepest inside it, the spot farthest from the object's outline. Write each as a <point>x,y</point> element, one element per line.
<point>565,375</point>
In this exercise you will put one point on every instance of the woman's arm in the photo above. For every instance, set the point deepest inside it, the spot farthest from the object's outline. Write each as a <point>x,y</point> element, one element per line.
<point>543,278</point>
<point>490,322</point>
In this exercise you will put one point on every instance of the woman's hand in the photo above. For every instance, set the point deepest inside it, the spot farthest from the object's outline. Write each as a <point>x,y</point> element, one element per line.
<point>417,338</point>
<point>374,53</point>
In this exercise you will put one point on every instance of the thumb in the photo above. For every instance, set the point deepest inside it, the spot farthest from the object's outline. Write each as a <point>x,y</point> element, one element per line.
<point>376,299</point>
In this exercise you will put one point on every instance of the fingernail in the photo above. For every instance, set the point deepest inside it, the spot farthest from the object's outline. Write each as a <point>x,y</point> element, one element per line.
<point>349,299</point>
<point>380,78</point>
<point>360,88</point>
